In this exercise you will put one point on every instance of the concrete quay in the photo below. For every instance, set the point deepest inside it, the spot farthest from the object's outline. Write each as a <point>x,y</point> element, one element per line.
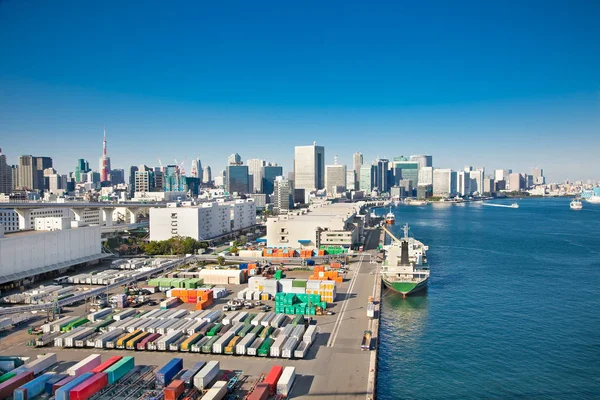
<point>334,368</point>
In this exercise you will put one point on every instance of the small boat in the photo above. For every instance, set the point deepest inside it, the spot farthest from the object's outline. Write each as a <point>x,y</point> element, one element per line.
<point>594,199</point>
<point>514,205</point>
<point>390,218</point>
<point>415,202</point>
<point>576,204</point>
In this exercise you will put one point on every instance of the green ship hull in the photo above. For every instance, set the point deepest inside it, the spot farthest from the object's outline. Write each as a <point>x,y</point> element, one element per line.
<point>406,288</point>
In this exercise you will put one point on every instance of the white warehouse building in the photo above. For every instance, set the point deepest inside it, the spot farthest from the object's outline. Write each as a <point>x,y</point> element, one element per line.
<point>203,221</point>
<point>52,246</point>
<point>338,224</point>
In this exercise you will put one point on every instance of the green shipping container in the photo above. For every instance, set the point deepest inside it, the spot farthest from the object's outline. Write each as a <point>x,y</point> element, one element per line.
<point>249,319</point>
<point>265,347</point>
<point>119,369</point>
<point>245,330</point>
<point>207,348</point>
<point>7,376</point>
<point>215,329</point>
<point>257,329</point>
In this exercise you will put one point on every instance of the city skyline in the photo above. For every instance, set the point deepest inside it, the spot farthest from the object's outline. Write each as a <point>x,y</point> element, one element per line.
<point>408,82</point>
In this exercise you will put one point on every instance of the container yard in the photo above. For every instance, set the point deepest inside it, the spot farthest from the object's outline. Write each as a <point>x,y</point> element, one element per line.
<point>302,322</point>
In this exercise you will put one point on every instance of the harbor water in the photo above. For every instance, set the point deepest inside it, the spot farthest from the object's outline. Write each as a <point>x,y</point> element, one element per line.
<point>512,309</point>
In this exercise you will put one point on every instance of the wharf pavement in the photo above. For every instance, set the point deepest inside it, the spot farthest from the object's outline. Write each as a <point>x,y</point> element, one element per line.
<point>334,368</point>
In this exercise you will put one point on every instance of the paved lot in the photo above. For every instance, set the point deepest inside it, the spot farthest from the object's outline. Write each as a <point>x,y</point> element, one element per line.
<point>335,366</point>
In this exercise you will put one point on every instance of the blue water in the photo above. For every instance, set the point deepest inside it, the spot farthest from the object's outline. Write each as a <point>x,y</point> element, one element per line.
<point>512,310</point>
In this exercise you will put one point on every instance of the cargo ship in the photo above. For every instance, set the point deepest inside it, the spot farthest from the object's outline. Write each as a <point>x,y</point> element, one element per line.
<point>405,268</point>
<point>390,218</point>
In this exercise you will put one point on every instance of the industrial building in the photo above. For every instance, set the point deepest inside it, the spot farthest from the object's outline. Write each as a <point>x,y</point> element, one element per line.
<point>52,246</point>
<point>201,221</point>
<point>324,224</point>
<point>13,221</point>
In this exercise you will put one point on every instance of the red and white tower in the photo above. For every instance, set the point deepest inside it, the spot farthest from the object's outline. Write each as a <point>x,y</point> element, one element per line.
<point>104,162</point>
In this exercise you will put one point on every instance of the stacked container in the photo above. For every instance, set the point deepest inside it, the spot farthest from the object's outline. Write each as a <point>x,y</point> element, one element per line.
<point>206,375</point>
<point>188,376</point>
<point>272,378</point>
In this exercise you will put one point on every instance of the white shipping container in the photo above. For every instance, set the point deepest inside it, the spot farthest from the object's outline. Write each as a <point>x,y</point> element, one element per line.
<point>196,327</point>
<point>206,375</point>
<point>217,392</point>
<point>257,319</point>
<point>178,326</point>
<point>40,364</point>
<point>298,332</point>
<point>278,320</point>
<point>251,350</point>
<point>84,333</point>
<point>241,316</point>
<point>151,314</point>
<point>309,335</point>
<point>124,314</point>
<point>219,346</point>
<point>213,316</point>
<point>228,319</point>
<point>288,348</point>
<point>85,365</point>
<point>179,314</point>
<point>240,347</point>
<point>256,295</point>
<point>266,321</point>
<point>242,294</point>
<point>286,381</point>
<point>163,343</point>
<point>301,350</point>
<point>101,340</point>
<point>249,294</point>
<point>275,350</point>
<point>371,310</point>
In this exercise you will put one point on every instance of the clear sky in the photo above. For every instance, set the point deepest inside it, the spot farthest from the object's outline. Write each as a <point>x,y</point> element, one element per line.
<point>508,84</point>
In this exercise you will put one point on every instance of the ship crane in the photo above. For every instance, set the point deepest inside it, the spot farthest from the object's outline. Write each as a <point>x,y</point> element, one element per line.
<point>392,235</point>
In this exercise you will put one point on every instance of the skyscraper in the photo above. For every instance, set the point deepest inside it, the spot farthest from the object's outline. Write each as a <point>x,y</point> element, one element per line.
<point>144,179</point>
<point>367,177</point>
<point>117,176</point>
<point>236,179</point>
<point>31,172</point>
<point>403,169</point>
<point>234,159</point>
<point>206,175</point>
<point>6,184</point>
<point>269,174</point>
<point>255,170</point>
<point>196,169</point>
<point>538,176</point>
<point>444,182</point>
<point>283,195</point>
<point>81,168</point>
<point>335,178</point>
<point>104,166</point>
<point>357,162</point>
<point>381,178</point>
<point>422,160</point>
<point>132,170</point>
<point>309,167</point>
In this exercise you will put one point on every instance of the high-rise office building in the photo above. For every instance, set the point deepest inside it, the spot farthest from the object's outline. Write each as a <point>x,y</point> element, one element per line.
<point>283,195</point>
<point>476,176</point>
<point>206,175</point>
<point>444,182</point>
<point>404,169</point>
<point>104,164</point>
<point>144,179</point>
<point>81,168</point>
<point>159,179</point>
<point>309,167</point>
<point>269,174</point>
<point>382,183</point>
<point>335,178</point>
<point>196,169</point>
<point>351,180</point>
<point>422,160</point>
<point>236,179</point>
<point>538,176</point>
<point>502,174</point>
<point>234,159</point>
<point>425,176</point>
<point>6,175</point>
<point>117,176</point>
<point>367,178</point>
<point>516,182</point>
<point>255,170</point>
<point>132,170</point>
<point>463,183</point>
<point>357,162</point>
<point>31,172</point>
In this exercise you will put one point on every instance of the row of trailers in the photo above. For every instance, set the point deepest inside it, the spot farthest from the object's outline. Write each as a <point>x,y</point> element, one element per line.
<point>210,332</point>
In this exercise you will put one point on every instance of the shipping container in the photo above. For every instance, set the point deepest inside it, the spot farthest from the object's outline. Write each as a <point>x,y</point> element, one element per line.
<point>54,379</point>
<point>89,387</point>
<point>99,315</point>
<point>175,346</point>
<point>213,316</point>
<point>163,343</point>
<point>219,345</point>
<point>174,390</point>
<point>216,392</point>
<point>63,393</point>
<point>62,382</point>
<point>207,375</point>
<point>265,347</point>
<point>214,330</point>
<point>275,350</point>
<point>188,376</point>
<point>228,318</point>
<point>245,329</point>
<point>230,347</point>
<point>190,340</point>
<point>197,347</point>
<point>265,332</point>
<point>310,334</point>
<point>143,345</point>
<point>101,340</point>
<point>266,321</point>
<point>278,320</point>
<point>258,318</point>
<point>301,350</point>
<point>272,378</point>
<point>40,364</point>
<point>260,392</point>
<point>80,335</point>
<point>119,369</point>
<point>207,348</point>
<point>124,314</point>
<point>196,327</point>
<point>32,388</point>
<point>85,365</point>
<point>253,348</point>
<point>100,368</point>
<point>239,317</point>
<point>132,343</point>
<point>207,327</point>
<point>289,347</point>
<point>298,332</point>
<point>242,345</point>
<point>168,372</point>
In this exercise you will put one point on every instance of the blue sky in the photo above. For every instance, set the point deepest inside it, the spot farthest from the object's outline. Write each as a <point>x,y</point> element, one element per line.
<point>514,84</point>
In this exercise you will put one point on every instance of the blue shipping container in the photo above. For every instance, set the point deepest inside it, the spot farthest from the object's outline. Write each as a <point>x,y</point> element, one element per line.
<point>310,263</point>
<point>188,377</point>
<point>243,266</point>
<point>32,388</point>
<point>48,386</point>
<point>63,392</point>
<point>166,373</point>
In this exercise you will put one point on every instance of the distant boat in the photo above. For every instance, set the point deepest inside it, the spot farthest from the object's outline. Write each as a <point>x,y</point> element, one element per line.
<point>513,205</point>
<point>594,199</point>
<point>390,218</point>
<point>415,202</point>
<point>576,204</point>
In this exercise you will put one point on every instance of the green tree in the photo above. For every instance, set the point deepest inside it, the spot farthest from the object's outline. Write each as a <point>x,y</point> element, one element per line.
<point>221,260</point>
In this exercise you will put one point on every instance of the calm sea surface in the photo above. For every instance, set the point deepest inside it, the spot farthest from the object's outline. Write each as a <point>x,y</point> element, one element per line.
<point>512,310</point>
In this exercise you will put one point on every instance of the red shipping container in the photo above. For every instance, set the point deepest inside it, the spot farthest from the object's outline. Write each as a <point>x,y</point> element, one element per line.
<point>8,387</point>
<point>89,387</point>
<point>260,392</point>
<point>106,364</point>
<point>174,390</point>
<point>273,377</point>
